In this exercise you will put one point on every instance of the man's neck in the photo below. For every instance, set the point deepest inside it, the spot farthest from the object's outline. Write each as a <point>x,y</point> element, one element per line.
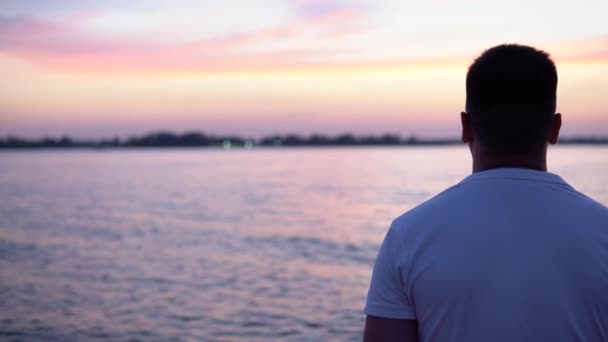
<point>483,163</point>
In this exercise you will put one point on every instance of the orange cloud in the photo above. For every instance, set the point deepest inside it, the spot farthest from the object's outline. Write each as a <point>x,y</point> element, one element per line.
<point>582,51</point>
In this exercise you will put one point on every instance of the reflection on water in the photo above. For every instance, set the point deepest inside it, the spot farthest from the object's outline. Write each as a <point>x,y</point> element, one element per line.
<point>213,245</point>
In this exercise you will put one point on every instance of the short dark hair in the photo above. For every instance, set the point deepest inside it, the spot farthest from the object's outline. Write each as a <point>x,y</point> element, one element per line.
<point>511,98</point>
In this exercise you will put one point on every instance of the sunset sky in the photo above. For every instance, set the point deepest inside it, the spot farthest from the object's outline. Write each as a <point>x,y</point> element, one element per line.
<point>254,67</point>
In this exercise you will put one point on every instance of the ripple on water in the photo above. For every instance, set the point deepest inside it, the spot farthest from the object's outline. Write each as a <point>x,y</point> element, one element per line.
<point>208,245</point>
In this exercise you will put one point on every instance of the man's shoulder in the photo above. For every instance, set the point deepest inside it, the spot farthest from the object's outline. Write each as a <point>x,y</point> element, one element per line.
<point>430,210</point>
<point>591,203</point>
<point>588,209</point>
<point>453,205</point>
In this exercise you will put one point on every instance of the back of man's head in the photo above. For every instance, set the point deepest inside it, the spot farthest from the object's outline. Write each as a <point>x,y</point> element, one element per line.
<point>511,98</point>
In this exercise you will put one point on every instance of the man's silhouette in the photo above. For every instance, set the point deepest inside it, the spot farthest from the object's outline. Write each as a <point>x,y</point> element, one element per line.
<point>511,253</point>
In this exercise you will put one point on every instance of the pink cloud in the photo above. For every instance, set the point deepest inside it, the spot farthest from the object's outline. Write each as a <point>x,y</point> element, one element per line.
<point>66,44</point>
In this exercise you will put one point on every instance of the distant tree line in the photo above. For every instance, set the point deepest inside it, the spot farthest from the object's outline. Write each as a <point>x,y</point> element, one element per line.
<point>198,139</point>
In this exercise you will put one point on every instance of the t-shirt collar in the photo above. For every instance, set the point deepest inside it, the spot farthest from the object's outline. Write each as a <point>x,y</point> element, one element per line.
<point>517,174</point>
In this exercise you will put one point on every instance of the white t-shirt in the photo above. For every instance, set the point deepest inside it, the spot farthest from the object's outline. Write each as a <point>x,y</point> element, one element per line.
<point>505,255</point>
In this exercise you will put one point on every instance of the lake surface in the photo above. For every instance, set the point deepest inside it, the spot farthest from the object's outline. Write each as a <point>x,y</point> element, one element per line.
<point>213,245</point>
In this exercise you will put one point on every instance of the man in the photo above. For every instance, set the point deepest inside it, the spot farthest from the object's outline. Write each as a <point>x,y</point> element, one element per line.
<point>511,253</point>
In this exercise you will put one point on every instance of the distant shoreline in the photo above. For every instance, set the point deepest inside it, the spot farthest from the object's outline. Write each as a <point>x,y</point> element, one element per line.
<point>202,140</point>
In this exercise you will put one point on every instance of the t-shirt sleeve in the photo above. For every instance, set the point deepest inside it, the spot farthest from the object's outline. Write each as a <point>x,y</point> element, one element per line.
<point>387,296</point>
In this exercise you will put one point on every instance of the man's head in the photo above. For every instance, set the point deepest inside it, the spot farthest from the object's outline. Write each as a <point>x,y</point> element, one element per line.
<point>511,99</point>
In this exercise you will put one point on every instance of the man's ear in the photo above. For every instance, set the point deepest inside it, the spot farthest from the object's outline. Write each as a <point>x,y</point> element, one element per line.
<point>556,125</point>
<point>467,130</point>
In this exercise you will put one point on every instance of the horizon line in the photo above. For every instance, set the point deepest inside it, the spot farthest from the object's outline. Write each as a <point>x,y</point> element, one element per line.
<point>200,139</point>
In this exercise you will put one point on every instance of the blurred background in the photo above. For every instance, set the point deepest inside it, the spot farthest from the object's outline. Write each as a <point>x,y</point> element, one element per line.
<point>226,170</point>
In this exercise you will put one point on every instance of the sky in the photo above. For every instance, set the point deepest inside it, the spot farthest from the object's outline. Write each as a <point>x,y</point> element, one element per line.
<point>255,67</point>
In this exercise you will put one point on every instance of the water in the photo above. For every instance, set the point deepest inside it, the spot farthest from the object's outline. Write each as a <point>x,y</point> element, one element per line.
<point>213,245</point>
